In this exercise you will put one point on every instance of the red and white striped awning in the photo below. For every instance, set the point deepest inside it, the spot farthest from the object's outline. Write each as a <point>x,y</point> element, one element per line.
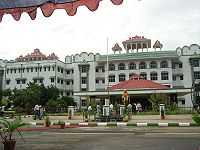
<point>17,7</point>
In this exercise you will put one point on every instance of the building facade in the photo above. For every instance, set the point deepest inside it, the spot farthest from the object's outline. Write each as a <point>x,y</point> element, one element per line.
<point>89,75</point>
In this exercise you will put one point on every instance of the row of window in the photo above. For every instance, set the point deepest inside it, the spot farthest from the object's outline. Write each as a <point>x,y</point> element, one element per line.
<point>142,65</point>
<point>153,76</point>
<point>59,81</point>
<point>37,69</point>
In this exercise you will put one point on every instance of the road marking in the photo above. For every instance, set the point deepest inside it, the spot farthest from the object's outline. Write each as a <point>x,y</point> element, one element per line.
<point>162,124</point>
<point>142,124</point>
<point>187,124</point>
<point>101,123</point>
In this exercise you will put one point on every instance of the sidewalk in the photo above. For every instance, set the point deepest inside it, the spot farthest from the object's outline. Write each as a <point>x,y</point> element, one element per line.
<point>135,119</point>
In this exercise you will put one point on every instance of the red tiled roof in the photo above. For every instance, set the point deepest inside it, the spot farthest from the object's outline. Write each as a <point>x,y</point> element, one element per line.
<point>17,7</point>
<point>138,84</point>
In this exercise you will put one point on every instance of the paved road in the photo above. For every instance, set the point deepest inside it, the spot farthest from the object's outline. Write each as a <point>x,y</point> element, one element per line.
<point>112,139</point>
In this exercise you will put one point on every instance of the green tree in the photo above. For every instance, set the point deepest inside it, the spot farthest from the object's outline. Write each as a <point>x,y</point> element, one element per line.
<point>157,99</point>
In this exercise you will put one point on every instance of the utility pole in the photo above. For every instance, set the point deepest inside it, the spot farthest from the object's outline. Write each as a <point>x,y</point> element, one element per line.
<point>107,60</point>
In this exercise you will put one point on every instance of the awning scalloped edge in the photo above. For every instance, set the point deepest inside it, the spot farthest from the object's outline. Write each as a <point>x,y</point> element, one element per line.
<point>48,8</point>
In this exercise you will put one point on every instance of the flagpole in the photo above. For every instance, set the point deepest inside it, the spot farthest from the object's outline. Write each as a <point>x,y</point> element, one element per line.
<point>107,40</point>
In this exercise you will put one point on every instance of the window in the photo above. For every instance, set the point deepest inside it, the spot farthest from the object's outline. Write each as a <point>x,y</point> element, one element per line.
<point>143,75</point>
<point>173,66</point>
<point>68,82</point>
<point>103,81</point>
<point>7,71</point>
<point>27,69</point>
<point>84,69</point>
<point>58,69</point>
<point>61,81</point>
<point>83,89</point>
<point>195,63</point>
<point>164,64</point>
<point>31,69</point>
<point>103,69</point>
<point>36,69</point>
<point>97,69</point>
<point>112,78</point>
<point>52,80</point>
<point>142,65</point>
<point>84,102</point>
<point>7,82</point>
<point>130,75</point>
<point>154,76</point>
<point>53,68</point>
<point>35,80</point>
<point>72,71</point>
<point>121,66</point>
<point>45,69</point>
<point>122,77</point>
<point>153,64</point>
<point>174,78</point>
<point>83,80</point>
<point>23,81</point>
<point>132,66</point>
<point>61,70</point>
<point>180,65</point>
<point>18,81</point>
<point>197,75</point>
<point>68,93</point>
<point>19,70</point>
<point>49,68</point>
<point>97,81</point>
<point>111,67</point>
<point>11,70</point>
<point>181,77</point>
<point>164,76</point>
<point>23,70</point>
<point>183,102</point>
<point>58,80</point>
<point>15,70</point>
<point>68,71</point>
<point>40,69</point>
<point>72,82</point>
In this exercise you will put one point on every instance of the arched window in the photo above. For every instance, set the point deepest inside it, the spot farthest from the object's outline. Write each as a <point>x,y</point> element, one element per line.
<point>143,75</point>
<point>154,76</point>
<point>153,64</point>
<point>132,66</point>
<point>164,75</point>
<point>122,77</point>
<point>164,64</point>
<point>111,67</point>
<point>121,66</point>
<point>142,65</point>
<point>111,78</point>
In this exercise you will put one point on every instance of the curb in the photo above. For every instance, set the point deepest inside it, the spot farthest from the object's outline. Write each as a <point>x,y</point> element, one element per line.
<point>121,124</point>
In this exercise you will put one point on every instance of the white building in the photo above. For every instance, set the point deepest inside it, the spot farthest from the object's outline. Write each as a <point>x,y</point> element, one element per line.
<point>85,76</point>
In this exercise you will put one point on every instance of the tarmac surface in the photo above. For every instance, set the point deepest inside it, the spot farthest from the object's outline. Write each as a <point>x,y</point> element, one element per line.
<point>167,138</point>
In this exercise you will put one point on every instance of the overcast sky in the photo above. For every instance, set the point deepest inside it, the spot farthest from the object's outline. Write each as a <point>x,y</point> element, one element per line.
<point>173,22</point>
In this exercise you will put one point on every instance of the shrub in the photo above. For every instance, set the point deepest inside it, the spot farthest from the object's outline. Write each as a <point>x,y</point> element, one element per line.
<point>47,121</point>
<point>196,119</point>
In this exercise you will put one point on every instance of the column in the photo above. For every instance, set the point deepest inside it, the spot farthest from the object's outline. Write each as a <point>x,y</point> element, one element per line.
<point>137,47</point>
<point>147,46</point>
<point>131,47</point>
<point>126,48</point>
<point>142,46</point>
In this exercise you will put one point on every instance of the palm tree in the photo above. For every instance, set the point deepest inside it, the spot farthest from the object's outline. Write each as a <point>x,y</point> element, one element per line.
<point>7,130</point>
